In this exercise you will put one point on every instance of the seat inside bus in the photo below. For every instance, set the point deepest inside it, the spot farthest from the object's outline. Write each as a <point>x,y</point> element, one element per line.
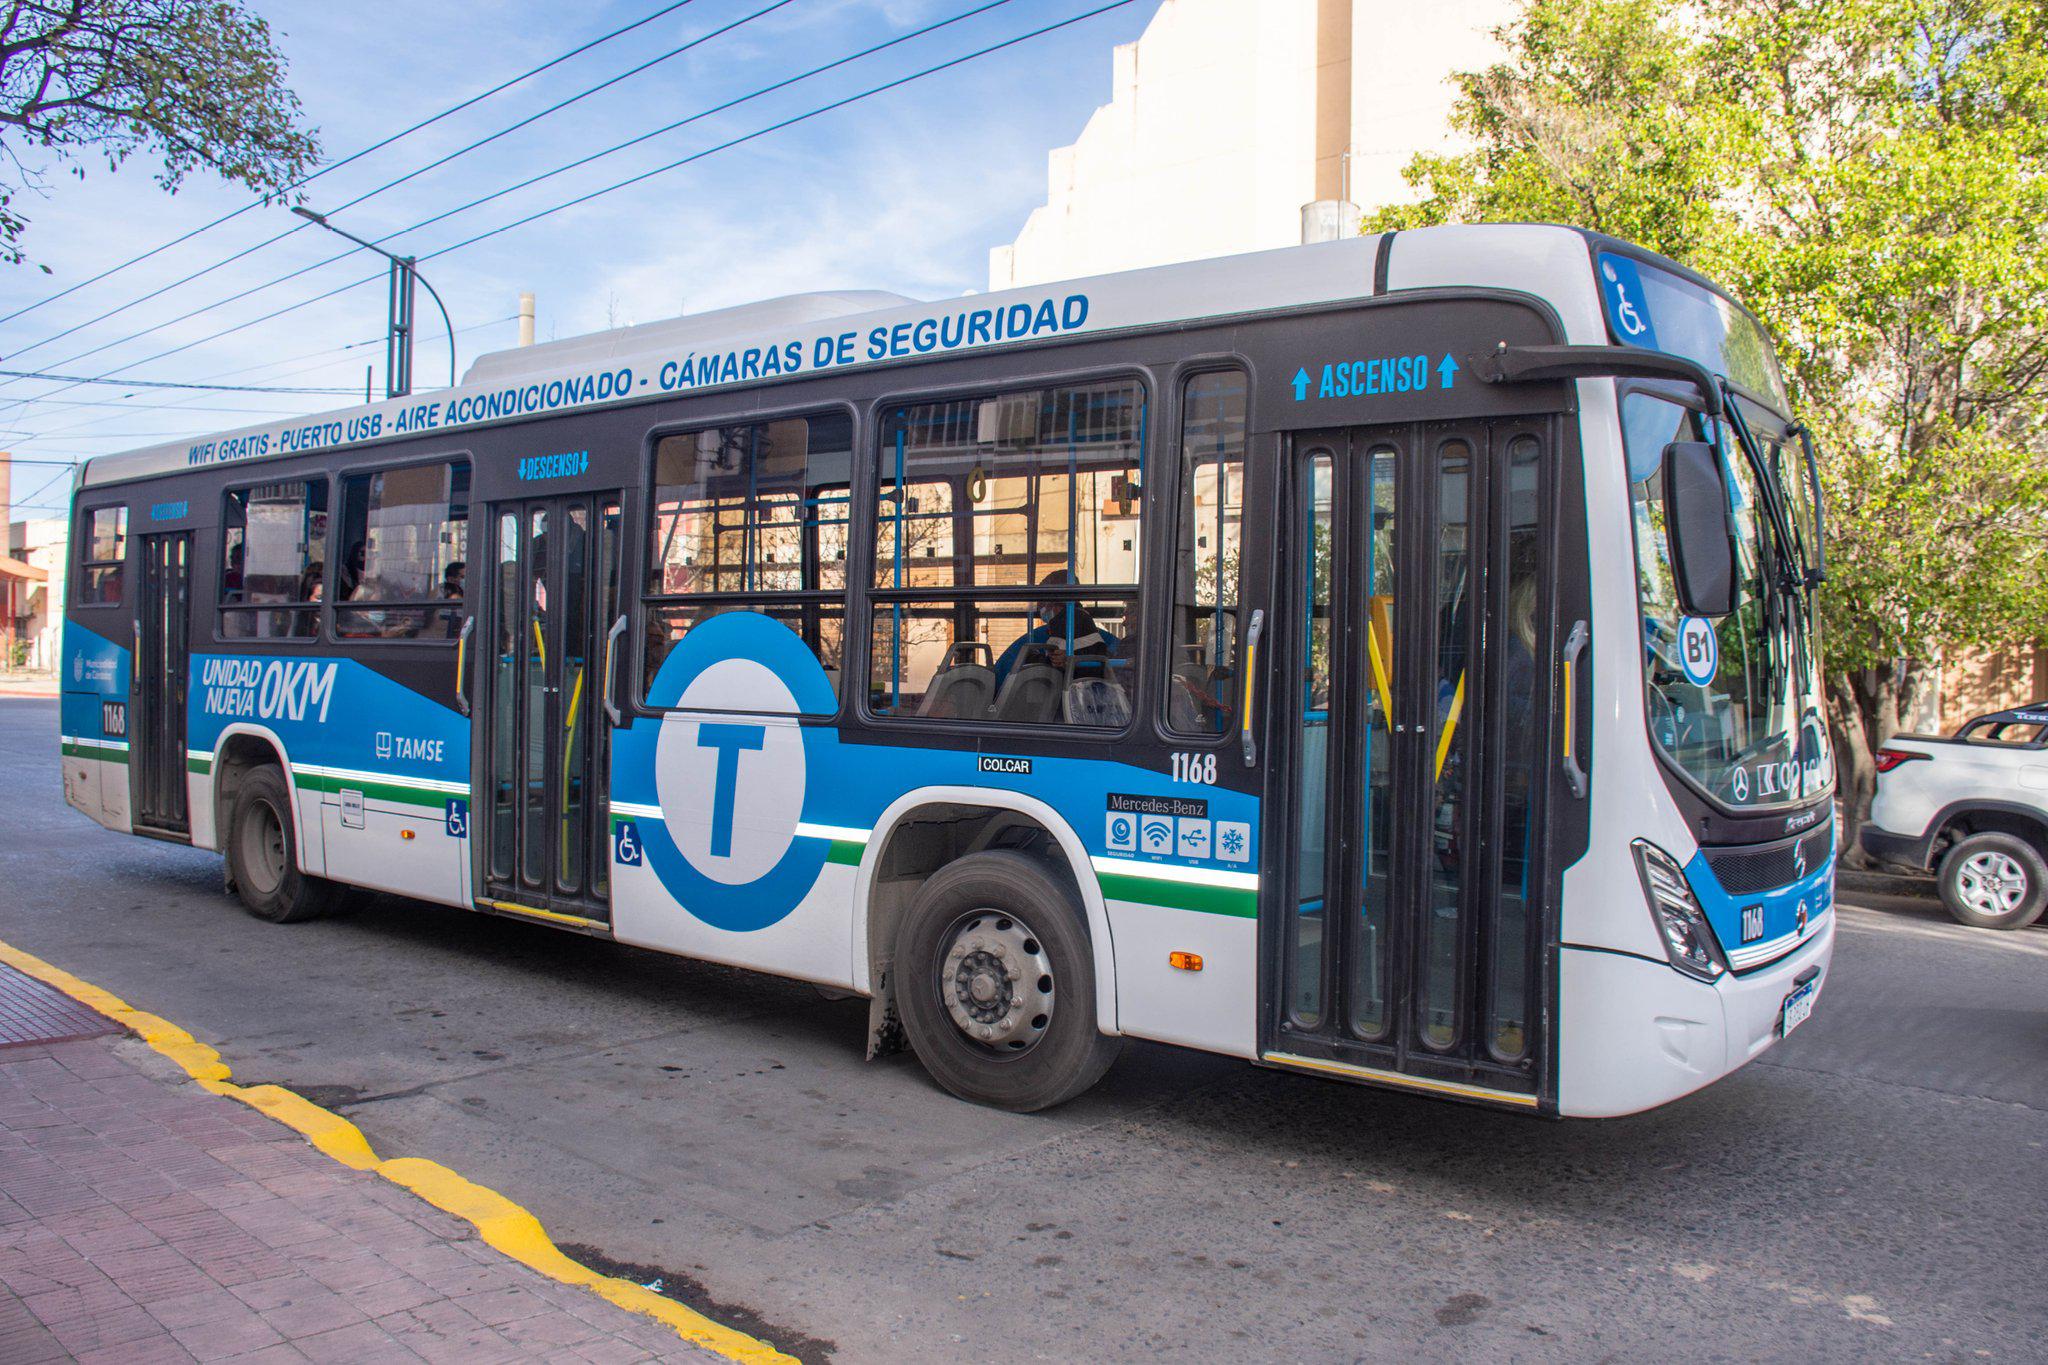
<point>1031,694</point>
<point>964,686</point>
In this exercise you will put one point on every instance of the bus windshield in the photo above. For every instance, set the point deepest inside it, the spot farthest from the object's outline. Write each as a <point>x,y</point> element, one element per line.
<point>1734,702</point>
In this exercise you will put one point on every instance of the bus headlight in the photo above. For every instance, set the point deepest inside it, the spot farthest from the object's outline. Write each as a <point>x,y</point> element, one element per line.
<point>1688,938</point>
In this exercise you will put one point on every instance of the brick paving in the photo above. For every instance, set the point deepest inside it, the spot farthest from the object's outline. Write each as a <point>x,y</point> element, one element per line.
<point>145,1221</point>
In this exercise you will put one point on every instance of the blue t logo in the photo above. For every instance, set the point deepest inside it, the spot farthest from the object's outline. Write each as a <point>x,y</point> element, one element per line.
<point>729,740</point>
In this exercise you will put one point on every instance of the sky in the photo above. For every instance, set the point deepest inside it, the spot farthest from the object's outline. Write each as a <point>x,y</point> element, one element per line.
<point>905,191</point>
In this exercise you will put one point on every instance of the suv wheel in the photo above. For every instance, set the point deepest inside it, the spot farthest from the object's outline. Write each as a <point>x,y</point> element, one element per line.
<point>1994,881</point>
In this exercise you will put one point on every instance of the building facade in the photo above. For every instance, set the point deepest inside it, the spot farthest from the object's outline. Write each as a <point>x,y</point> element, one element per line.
<point>1230,117</point>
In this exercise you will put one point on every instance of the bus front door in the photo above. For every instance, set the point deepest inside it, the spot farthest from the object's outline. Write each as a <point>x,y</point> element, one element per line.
<point>1416,689</point>
<point>544,739</point>
<point>156,714</point>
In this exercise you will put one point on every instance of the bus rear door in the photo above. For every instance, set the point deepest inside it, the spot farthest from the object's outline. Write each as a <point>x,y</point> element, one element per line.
<point>1414,686</point>
<point>156,768</point>
<point>543,738</point>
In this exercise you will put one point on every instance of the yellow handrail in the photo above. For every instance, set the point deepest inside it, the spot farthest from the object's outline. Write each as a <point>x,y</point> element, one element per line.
<point>1381,684</point>
<point>568,753</point>
<point>1443,741</point>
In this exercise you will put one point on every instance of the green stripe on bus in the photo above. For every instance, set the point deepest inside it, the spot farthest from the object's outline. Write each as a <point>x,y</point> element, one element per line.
<point>1208,900</point>
<point>846,852</point>
<point>377,791</point>
<point>202,766</point>
<point>85,751</point>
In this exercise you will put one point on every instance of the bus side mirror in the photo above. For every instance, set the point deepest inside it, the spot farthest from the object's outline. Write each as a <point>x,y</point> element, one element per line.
<point>1697,519</point>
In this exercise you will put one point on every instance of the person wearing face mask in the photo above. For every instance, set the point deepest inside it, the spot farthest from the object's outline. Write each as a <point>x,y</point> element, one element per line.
<point>1064,630</point>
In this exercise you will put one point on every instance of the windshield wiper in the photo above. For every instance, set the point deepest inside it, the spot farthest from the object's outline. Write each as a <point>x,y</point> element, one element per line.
<point>1772,494</point>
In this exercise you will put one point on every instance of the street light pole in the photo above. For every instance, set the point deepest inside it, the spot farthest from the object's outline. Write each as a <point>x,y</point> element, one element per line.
<point>398,343</point>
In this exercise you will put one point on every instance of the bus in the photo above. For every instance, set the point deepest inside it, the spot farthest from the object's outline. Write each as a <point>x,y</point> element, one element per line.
<point>1390,659</point>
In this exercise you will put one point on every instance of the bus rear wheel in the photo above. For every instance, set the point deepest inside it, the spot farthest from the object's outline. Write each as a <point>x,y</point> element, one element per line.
<point>996,985</point>
<point>262,854</point>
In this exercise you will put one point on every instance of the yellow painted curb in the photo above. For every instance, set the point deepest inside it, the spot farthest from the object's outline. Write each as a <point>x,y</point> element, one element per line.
<point>501,1223</point>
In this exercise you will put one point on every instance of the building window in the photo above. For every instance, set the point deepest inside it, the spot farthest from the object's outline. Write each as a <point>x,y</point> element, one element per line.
<point>751,518</point>
<point>106,551</point>
<point>1007,555</point>
<point>404,571</point>
<point>1202,682</point>
<point>271,560</point>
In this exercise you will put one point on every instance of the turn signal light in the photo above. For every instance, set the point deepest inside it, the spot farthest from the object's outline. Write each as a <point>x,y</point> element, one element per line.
<point>405,834</point>
<point>1187,962</point>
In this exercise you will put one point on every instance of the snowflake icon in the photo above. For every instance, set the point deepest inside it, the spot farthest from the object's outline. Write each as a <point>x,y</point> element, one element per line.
<point>1233,841</point>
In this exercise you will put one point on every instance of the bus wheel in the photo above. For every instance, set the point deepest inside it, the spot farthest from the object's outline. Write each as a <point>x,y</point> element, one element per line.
<point>264,856</point>
<point>1994,881</point>
<point>996,985</point>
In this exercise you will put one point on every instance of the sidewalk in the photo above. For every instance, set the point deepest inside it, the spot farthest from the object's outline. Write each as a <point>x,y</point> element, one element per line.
<point>28,685</point>
<point>143,1219</point>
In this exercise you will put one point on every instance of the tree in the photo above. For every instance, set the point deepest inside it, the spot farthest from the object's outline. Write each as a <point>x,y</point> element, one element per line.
<point>193,83</point>
<point>1871,176</point>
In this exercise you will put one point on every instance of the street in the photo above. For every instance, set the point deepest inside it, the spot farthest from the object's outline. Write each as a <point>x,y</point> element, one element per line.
<point>1873,1187</point>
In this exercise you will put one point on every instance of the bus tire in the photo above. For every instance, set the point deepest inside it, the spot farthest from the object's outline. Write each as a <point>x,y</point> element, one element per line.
<point>995,982</point>
<point>1994,881</point>
<point>263,854</point>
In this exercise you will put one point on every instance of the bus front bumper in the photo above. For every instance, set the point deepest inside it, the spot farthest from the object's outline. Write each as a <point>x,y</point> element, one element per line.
<point>1634,1034</point>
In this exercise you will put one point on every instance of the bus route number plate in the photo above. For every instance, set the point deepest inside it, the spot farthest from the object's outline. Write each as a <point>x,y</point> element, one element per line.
<point>1798,1006</point>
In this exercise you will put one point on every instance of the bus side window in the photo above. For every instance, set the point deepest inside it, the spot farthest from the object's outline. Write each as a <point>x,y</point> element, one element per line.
<point>751,518</point>
<point>1006,557</point>
<point>1202,680</point>
<point>106,550</point>
<point>404,544</point>
<point>271,546</point>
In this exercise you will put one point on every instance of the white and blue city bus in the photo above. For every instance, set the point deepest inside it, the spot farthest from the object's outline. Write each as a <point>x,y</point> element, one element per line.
<point>1390,659</point>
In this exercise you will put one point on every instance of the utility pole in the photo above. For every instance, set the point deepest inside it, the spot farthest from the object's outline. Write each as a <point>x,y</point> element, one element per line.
<point>526,318</point>
<point>398,338</point>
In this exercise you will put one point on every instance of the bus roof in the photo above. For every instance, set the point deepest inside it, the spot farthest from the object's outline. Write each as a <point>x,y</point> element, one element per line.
<point>805,334</point>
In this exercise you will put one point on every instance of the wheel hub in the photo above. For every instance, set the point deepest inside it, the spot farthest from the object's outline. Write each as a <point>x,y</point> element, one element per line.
<point>996,981</point>
<point>1992,883</point>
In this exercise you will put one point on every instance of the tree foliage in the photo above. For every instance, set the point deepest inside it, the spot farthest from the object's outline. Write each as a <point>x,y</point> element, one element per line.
<point>1871,176</point>
<point>193,83</point>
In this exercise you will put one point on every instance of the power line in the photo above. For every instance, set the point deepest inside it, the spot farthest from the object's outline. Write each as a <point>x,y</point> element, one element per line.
<point>318,357</point>
<point>156,383</point>
<point>774,128</point>
<point>371,194</point>
<point>623,184</point>
<point>695,118</point>
<point>355,156</point>
<point>524,184</point>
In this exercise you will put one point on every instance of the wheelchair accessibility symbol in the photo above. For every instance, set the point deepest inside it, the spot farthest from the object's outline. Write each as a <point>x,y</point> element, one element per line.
<point>626,844</point>
<point>458,819</point>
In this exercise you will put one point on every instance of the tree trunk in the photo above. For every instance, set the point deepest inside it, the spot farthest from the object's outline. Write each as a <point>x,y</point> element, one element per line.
<point>1855,768</point>
<point>1864,709</point>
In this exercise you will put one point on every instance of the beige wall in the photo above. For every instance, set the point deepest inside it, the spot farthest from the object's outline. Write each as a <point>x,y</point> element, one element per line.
<point>1227,116</point>
<point>1977,683</point>
<point>42,544</point>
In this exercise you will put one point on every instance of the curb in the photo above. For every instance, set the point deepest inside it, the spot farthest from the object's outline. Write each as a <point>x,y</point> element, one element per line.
<point>504,1225</point>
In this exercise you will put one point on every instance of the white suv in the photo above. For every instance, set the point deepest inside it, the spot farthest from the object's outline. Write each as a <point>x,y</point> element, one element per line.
<point>1973,808</point>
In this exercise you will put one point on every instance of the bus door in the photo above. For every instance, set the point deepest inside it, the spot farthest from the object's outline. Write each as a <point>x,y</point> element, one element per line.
<point>550,608</point>
<point>156,767</point>
<point>1416,684</point>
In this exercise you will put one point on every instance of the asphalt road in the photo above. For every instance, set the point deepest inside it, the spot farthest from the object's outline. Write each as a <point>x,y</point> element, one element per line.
<point>1877,1186</point>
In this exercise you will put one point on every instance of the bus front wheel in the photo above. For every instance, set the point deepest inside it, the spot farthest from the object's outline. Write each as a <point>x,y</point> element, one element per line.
<point>995,982</point>
<point>263,854</point>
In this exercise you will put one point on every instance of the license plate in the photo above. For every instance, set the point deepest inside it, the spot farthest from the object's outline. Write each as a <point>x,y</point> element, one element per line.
<point>1798,1006</point>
